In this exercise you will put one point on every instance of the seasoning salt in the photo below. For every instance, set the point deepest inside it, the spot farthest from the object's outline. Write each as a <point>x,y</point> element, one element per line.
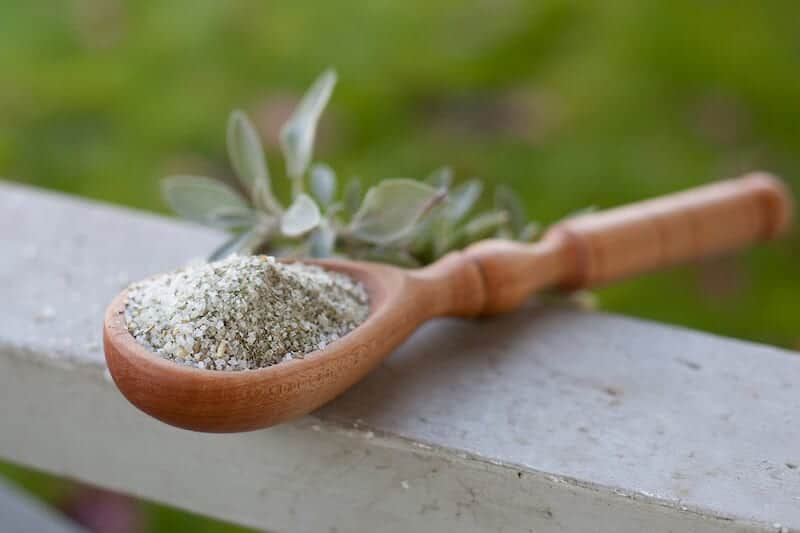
<point>243,312</point>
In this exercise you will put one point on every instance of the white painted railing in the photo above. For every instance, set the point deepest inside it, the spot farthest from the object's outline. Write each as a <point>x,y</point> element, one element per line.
<point>544,420</point>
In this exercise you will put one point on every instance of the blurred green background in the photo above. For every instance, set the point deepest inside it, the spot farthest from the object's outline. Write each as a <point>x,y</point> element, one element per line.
<point>571,103</point>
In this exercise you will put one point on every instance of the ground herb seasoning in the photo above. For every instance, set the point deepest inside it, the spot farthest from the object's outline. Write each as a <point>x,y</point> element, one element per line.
<point>243,312</point>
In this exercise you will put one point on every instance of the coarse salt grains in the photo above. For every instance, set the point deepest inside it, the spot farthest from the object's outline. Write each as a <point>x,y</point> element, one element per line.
<point>243,312</point>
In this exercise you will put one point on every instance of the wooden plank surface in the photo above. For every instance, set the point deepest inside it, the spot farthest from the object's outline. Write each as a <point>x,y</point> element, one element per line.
<point>544,420</point>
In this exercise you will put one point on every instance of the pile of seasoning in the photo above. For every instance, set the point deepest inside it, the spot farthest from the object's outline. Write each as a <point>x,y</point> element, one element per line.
<point>243,312</point>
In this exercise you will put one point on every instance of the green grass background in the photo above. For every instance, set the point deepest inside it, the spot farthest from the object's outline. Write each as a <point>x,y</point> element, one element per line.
<point>572,103</point>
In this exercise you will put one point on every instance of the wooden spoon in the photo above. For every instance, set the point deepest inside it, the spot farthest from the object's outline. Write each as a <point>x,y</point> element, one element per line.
<point>489,277</point>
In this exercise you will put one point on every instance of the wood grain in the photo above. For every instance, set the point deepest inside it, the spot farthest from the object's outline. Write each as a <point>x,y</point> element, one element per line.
<point>214,401</point>
<point>680,227</point>
<point>598,248</point>
<point>489,277</point>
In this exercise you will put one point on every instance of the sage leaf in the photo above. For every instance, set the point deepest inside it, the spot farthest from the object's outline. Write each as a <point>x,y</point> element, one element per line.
<point>322,241</point>
<point>441,177</point>
<point>423,233</point>
<point>434,235</point>
<point>462,199</point>
<point>529,232</point>
<point>352,196</point>
<point>442,237</point>
<point>247,157</point>
<point>323,183</point>
<point>391,208</point>
<point>204,200</point>
<point>297,135</point>
<point>232,218</point>
<point>301,217</point>
<point>485,225</point>
<point>507,200</point>
<point>245,243</point>
<point>334,209</point>
<point>504,232</point>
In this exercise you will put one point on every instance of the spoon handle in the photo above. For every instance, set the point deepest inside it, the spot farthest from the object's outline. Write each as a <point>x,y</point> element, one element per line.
<point>598,248</point>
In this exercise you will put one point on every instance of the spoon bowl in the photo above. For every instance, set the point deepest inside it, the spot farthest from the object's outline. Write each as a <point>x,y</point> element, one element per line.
<point>489,277</point>
<point>228,401</point>
<point>217,401</point>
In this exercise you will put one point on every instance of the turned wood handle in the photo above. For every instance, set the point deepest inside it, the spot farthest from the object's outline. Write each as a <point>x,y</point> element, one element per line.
<point>688,225</point>
<point>597,248</point>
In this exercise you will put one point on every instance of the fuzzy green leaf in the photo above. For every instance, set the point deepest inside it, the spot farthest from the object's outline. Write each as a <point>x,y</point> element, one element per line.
<point>244,243</point>
<point>485,225</point>
<point>441,177</point>
<point>462,199</point>
<point>529,232</point>
<point>391,208</point>
<point>435,234</point>
<point>301,217</point>
<point>206,201</point>
<point>323,183</point>
<point>322,241</point>
<point>507,200</point>
<point>297,135</point>
<point>232,218</point>
<point>247,157</point>
<point>504,232</point>
<point>352,196</point>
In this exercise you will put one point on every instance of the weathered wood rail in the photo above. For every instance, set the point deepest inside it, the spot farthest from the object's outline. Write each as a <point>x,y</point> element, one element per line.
<point>543,420</point>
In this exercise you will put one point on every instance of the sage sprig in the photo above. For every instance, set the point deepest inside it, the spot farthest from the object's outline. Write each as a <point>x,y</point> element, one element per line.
<point>399,220</point>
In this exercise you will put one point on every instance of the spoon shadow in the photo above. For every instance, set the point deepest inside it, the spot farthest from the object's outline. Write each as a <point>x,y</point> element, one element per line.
<point>471,353</point>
